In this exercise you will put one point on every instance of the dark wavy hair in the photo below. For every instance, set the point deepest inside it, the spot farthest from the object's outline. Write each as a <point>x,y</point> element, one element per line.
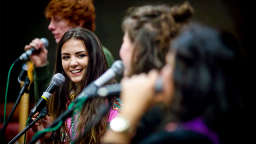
<point>97,65</point>
<point>209,77</point>
<point>151,28</point>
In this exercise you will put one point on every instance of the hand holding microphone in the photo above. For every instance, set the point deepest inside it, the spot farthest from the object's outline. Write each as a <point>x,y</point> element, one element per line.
<point>37,52</point>
<point>57,81</point>
<point>138,93</point>
<point>41,125</point>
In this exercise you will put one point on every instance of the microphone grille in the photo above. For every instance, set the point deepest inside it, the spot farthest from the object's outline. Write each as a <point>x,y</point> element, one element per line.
<point>118,67</point>
<point>58,78</point>
<point>45,41</point>
<point>159,84</point>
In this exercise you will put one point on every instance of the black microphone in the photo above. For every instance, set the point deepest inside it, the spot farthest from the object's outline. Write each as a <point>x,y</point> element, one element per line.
<point>117,68</point>
<point>26,54</point>
<point>115,89</point>
<point>57,80</point>
<point>23,74</point>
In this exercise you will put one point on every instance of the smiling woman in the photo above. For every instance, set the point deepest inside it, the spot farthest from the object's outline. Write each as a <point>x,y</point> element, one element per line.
<point>81,60</point>
<point>74,60</point>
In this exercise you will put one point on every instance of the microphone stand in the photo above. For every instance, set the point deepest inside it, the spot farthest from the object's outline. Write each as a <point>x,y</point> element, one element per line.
<point>63,116</point>
<point>89,93</point>
<point>23,89</point>
<point>40,116</point>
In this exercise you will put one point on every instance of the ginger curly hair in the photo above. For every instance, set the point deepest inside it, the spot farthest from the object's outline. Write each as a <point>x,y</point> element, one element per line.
<point>73,10</point>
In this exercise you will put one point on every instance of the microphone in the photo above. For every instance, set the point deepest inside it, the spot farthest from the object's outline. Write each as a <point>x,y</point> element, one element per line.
<point>117,68</point>
<point>26,54</point>
<point>23,73</point>
<point>114,89</point>
<point>57,81</point>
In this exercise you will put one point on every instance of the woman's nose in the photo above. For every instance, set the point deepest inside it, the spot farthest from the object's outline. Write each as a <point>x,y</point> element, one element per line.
<point>73,62</point>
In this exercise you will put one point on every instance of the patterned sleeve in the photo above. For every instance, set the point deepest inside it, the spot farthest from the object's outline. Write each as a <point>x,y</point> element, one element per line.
<point>114,110</point>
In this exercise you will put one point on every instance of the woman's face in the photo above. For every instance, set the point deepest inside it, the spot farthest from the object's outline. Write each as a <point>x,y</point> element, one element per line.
<point>75,60</point>
<point>125,54</point>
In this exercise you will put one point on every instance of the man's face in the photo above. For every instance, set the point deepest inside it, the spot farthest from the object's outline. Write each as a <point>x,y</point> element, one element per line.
<point>59,26</point>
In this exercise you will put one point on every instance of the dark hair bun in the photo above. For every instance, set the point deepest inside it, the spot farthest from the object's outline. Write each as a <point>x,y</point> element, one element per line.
<point>182,13</point>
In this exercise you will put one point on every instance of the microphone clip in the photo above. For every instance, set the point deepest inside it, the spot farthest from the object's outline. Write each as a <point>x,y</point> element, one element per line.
<point>26,84</point>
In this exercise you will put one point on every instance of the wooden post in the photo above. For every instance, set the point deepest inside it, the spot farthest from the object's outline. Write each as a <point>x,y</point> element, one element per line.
<point>24,103</point>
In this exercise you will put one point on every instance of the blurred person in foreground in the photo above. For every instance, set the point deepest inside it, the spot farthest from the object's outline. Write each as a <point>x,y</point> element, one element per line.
<point>203,82</point>
<point>148,31</point>
<point>63,16</point>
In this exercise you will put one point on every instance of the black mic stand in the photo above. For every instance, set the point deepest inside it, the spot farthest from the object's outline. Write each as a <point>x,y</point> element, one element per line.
<point>68,113</point>
<point>63,116</point>
<point>23,89</point>
<point>41,115</point>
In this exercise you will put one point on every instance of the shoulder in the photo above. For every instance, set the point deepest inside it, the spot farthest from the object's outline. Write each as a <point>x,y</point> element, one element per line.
<point>106,51</point>
<point>109,57</point>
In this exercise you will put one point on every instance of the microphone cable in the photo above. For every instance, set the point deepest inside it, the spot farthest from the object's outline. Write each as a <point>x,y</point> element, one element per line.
<point>54,127</point>
<point>25,132</point>
<point>6,91</point>
<point>25,57</point>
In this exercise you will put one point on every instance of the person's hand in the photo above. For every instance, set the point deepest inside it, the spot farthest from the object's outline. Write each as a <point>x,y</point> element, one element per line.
<point>41,125</point>
<point>39,59</point>
<point>138,95</point>
<point>168,90</point>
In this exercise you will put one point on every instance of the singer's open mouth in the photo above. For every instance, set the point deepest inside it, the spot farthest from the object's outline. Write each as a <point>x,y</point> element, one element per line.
<point>76,71</point>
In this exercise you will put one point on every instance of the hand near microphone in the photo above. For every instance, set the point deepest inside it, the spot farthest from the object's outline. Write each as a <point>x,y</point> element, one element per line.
<point>39,58</point>
<point>138,94</point>
<point>41,125</point>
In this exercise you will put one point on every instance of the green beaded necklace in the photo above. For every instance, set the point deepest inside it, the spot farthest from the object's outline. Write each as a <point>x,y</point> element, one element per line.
<point>75,115</point>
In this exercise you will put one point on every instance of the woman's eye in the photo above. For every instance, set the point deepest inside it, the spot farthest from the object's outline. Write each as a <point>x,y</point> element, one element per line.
<point>65,57</point>
<point>81,55</point>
